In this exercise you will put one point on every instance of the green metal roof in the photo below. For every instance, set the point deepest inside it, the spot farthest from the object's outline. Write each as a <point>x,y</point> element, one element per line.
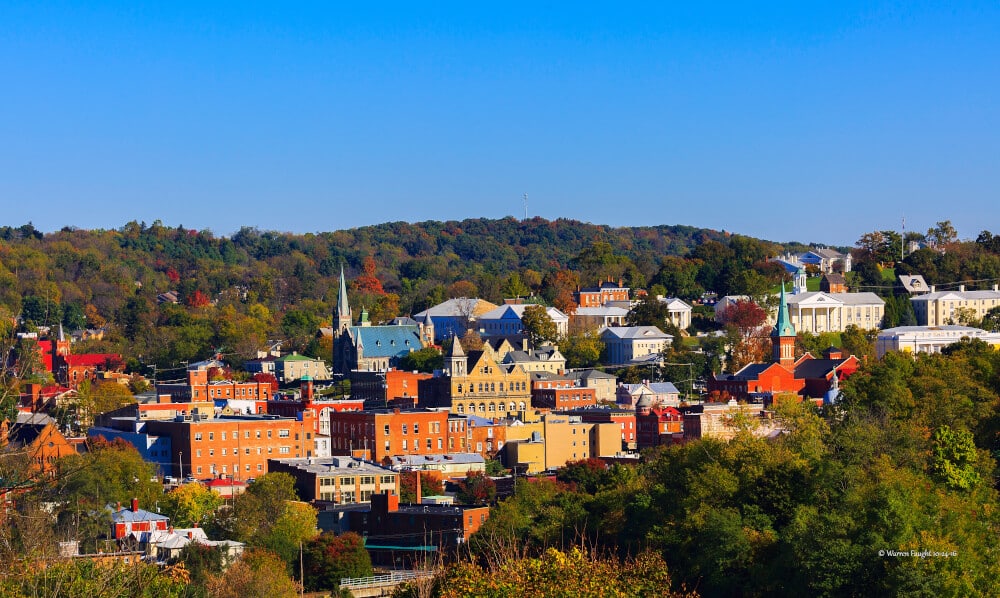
<point>783,327</point>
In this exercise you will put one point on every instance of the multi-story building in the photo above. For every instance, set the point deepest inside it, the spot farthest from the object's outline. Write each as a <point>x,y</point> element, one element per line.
<point>199,388</point>
<point>294,367</point>
<point>678,311</point>
<point>631,343</point>
<point>655,424</point>
<point>506,320</point>
<point>475,383</point>
<point>623,418</point>
<point>600,295</point>
<point>383,433</point>
<point>817,312</point>
<point>563,438</point>
<point>454,317</point>
<point>308,400</point>
<point>561,393</point>
<point>339,480</point>
<point>939,308</point>
<point>604,384</point>
<point>660,393</point>
<point>238,446</point>
<point>385,389</point>
<point>929,339</point>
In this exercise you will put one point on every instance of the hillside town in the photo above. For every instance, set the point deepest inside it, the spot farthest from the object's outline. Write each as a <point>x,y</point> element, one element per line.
<point>405,441</point>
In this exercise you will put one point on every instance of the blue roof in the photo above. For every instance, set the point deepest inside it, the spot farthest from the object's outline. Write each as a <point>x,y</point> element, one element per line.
<point>130,516</point>
<point>387,341</point>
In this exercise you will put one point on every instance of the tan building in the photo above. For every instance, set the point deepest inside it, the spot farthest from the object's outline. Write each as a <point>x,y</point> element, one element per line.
<point>476,384</point>
<point>340,480</point>
<point>294,367</point>
<point>562,439</point>
<point>725,420</point>
<point>938,308</point>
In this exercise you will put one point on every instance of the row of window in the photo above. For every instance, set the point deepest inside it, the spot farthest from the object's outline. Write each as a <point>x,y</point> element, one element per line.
<point>492,407</point>
<point>282,450</point>
<point>213,469</point>
<point>492,387</point>
<point>246,434</point>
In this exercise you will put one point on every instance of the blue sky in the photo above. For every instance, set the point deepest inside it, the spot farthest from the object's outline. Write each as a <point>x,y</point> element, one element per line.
<point>801,121</point>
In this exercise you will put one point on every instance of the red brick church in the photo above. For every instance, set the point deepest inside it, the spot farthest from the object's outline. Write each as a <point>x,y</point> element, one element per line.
<point>809,377</point>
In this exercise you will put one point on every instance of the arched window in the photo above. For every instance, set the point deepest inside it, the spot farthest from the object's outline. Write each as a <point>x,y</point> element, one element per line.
<point>459,389</point>
<point>501,387</point>
<point>461,409</point>
<point>493,387</point>
<point>482,407</point>
<point>520,406</point>
<point>493,407</point>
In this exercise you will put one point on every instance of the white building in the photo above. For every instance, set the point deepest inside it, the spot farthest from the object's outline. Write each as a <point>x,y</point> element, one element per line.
<point>817,311</point>
<point>631,343</point>
<point>506,320</point>
<point>938,308</point>
<point>588,318</point>
<point>928,339</point>
<point>679,311</point>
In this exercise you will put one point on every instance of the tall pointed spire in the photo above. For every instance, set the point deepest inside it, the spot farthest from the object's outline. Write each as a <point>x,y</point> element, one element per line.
<point>343,319</point>
<point>783,334</point>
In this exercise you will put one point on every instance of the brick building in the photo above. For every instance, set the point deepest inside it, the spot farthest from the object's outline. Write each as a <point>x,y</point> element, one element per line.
<point>624,418</point>
<point>381,389</point>
<point>476,384</point>
<point>199,388</point>
<point>388,432</point>
<point>607,292</point>
<point>234,445</point>
<point>405,535</point>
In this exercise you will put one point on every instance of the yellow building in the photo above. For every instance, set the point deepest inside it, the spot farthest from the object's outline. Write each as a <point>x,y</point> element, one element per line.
<point>477,384</point>
<point>557,440</point>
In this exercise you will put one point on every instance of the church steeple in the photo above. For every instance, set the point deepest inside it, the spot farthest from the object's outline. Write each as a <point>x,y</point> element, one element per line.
<point>783,334</point>
<point>457,361</point>
<point>343,319</point>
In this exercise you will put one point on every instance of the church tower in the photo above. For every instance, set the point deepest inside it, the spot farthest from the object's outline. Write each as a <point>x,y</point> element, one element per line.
<point>456,361</point>
<point>342,319</point>
<point>783,335</point>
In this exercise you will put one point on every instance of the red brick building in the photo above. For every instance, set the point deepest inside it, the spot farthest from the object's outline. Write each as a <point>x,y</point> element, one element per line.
<point>237,446</point>
<point>307,400</point>
<point>600,295</point>
<point>807,376</point>
<point>199,388</point>
<point>656,425</point>
<point>385,433</point>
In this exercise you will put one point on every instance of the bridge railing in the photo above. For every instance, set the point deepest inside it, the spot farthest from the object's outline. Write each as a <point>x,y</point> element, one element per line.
<point>394,578</point>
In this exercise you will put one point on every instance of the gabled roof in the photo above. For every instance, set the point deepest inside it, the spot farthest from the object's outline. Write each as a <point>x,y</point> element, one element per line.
<point>635,332</point>
<point>457,307</point>
<point>386,341</point>
<point>817,368</point>
<point>92,359</point>
<point>913,283</point>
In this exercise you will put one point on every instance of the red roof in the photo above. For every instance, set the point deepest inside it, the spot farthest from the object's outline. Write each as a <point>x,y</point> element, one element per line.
<point>95,359</point>
<point>219,482</point>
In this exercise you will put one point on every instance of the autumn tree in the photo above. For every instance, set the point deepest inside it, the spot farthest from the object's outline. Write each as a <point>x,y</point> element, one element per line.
<point>256,573</point>
<point>582,350</point>
<point>747,323</point>
<point>431,484</point>
<point>476,489</point>
<point>190,505</point>
<point>331,557</point>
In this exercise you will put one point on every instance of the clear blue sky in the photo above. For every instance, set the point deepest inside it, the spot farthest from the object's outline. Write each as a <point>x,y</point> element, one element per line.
<point>806,120</point>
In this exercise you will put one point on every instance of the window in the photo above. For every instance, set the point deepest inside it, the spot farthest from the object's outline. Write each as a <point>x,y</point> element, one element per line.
<point>282,434</point>
<point>439,444</point>
<point>199,469</point>
<point>197,435</point>
<point>246,434</point>
<point>386,430</point>
<point>247,451</point>
<point>404,428</point>
<point>198,452</point>
<point>269,433</point>
<point>367,480</point>
<point>211,435</point>
<point>347,481</point>
<point>223,435</point>
<point>284,450</point>
<point>260,467</point>
<point>347,497</point>
<point>387,449</point>
<point>416,428</point>
<point>404,444</point>
<point>223,452</point>
<point>211,452</point>
<point>388,479</point>
<point>429,445</point>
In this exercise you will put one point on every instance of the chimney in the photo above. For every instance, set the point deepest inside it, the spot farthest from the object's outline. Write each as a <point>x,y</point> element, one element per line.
<point>932,288</point>
<point>996,288</point>
<point>419,493</point>
<point>119,506</point>
<point>190,535</point>
<point>135,505</point>
<point>961,288</point>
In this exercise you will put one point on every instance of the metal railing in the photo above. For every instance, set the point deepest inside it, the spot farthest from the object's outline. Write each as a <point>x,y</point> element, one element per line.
<point>396,577</point>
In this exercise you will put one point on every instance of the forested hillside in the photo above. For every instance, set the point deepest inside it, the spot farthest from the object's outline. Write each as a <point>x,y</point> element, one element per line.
<point>235,293</point>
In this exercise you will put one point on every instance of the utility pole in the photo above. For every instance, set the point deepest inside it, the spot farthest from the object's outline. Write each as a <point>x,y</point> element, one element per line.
<point>525,200</point>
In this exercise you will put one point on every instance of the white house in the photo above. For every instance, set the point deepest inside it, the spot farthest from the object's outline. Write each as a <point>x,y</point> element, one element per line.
<point>679,311</point>
<point>588,318</point>
<point>632,343</point>
<point>928,339</point>
<point>663,393</point>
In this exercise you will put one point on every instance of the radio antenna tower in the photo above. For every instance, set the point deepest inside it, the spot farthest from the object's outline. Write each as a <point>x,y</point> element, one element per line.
<point>525,200</point>
<point>902,242</point>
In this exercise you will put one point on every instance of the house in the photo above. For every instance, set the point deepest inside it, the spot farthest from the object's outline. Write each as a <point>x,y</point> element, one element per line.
<point>603,383</point>
<point>369,347</point>
<point>807,376</point>
<point>36,437</point>
<point>913,284</point>
<point>938,308</point>
<point>340,480</point>
<point>659,393</point>
<point>506,320</point>
<point>833,282</point>
<point>602,294</point>
<point>824,259</point>
<point>454,316</point>
<point>293,367</point>
<point>656,424</point>
<point>199,386</point>
<point>629,344</point>
<point>929,339</point>
<point>136,526</point>
<point>545,358</point>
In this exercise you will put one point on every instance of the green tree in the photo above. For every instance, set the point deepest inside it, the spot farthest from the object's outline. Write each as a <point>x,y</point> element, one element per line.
<point>582,350</point>
<point>190,505</point>
<point>954,458</point>
<point>426,360</point>
<point>538,325</point>
<point>330,557</point>
<point>650,311</point>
